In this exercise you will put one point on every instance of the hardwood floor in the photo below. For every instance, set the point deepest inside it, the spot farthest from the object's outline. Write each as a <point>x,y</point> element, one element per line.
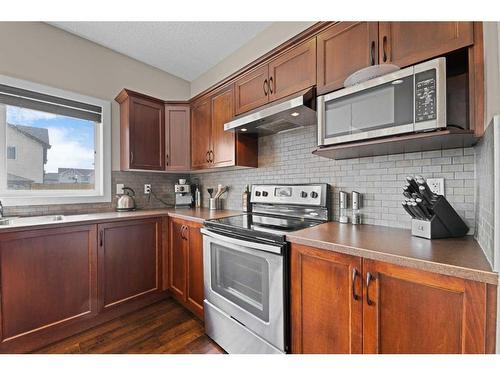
<point>165,327</point>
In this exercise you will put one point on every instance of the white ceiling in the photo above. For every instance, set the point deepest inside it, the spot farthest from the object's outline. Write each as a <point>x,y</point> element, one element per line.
<point>184,49</point>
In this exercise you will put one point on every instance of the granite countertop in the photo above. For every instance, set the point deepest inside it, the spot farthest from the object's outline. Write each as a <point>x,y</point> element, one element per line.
<point>461,257</point>
<point>194,214</point>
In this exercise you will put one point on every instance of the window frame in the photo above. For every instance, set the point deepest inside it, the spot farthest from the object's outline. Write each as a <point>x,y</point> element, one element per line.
<point>102,163</point>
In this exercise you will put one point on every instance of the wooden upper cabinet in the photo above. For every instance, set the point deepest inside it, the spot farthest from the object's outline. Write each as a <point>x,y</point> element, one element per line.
<point>178,141</point>
<point>343,49</point>
<point>48,281</point>
<point>252,90</point>
<point>129,261</point>
<point>407,43</point>
<point>293,71</point>
<point>411,311</point>
<point>201,129</point>
<point>326,302</point>
<point>223,143</point>
<point>142,131</point>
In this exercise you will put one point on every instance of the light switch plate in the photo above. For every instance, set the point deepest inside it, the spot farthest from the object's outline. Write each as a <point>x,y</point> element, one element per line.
<point>119,188</point>
<point>147,188</point>
<point>436,185</point>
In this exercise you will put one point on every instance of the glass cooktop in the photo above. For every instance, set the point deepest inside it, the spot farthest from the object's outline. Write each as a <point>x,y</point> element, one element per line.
<point>262,223</point>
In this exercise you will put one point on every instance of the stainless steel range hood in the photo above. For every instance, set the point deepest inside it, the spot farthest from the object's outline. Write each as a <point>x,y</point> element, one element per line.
<point>292,112</point>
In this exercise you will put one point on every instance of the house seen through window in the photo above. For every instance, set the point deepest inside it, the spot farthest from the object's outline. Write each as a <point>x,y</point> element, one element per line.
<point>55,144</point>
<point>48,151</point>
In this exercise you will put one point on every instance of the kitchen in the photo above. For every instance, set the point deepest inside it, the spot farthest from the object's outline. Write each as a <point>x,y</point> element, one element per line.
<point>322,188</point>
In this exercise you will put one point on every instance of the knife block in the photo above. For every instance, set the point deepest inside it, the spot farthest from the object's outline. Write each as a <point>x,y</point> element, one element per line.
<point>445,222</point>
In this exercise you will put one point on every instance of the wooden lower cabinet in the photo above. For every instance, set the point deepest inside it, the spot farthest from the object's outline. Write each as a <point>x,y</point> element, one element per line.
<point>129,261</point>
<point>56,282</point>
<point>48,282</point>
<point>186,264</point>
<point>388,309</point>
<point>326,302</point>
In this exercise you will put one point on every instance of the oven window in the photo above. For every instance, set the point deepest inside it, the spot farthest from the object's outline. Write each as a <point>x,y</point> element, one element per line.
<point>241,278</point>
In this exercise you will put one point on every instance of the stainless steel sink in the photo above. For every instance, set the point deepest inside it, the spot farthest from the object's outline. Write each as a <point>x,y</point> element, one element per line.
<point>34,220</point>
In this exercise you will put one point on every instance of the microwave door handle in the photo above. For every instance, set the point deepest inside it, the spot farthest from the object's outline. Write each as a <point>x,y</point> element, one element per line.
<point>321,120</point>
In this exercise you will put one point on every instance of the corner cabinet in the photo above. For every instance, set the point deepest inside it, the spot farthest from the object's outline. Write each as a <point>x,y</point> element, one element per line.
<point>344,304</point>
<point>211,146</point>
<point>178,137</point>
<point>142,132</point>
<point>186,281</point>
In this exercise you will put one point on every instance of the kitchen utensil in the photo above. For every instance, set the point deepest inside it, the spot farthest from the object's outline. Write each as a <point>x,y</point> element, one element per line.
<point>215,204</point>
<point>126,201</point>
<point>210,192</point>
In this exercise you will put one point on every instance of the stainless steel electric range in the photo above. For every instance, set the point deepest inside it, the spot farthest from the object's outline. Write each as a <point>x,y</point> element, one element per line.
<point>246,267</point>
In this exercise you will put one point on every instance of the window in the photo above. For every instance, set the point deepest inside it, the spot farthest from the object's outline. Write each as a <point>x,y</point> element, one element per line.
<point>11,152</point>
<point>58,145</point>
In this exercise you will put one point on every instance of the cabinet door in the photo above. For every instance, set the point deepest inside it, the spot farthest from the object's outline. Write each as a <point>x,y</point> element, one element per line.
<point>178,142</point>
<point>407,43</point>
<point>178,258</point>
<point>343,49</point>
<point>200,134</point>
<point>293,71</point>
<point>252,90</point>
<point>326,301</point>
<point>412,311</point>
<point>223,143</point>
<point>195,282</point>
<point>48,281</point>
<point>129,261</point>
<point>146,134</point>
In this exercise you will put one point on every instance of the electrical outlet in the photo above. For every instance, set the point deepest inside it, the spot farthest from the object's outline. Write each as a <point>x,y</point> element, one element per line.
<point>119,188</point>
<point>436,185</point>
<point>147,188</point>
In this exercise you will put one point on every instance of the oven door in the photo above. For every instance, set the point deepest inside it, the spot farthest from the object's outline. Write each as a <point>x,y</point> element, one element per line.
<point>244,279</point>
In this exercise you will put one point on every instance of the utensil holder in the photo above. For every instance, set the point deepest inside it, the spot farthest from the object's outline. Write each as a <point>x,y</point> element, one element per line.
<point>215,204</point>
<point>445,222</point>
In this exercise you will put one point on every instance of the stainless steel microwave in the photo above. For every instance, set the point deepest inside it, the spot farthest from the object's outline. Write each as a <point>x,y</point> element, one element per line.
<point>406,101</point>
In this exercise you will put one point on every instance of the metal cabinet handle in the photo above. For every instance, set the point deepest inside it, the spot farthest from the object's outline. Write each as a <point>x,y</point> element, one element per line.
<point>211,156</point>
<point>208,157</point>
<point>182,232</point>
<point>166,158</point>
<point>100,238</point>
<point>384,45</point>
<point>131,157</point>
<point>369,278</point>
<point>265,87</point>
<point>271,83</point>
<point>354,276</point>
<point>372,52</point>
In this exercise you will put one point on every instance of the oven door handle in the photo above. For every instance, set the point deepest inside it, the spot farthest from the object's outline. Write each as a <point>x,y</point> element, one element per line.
<point>276,249</point>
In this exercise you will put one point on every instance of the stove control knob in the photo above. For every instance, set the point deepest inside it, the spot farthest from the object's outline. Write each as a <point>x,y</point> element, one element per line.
<point>257,193</point>
<point>303,194</point>
<point>265,193</point>
<point>314,195</point>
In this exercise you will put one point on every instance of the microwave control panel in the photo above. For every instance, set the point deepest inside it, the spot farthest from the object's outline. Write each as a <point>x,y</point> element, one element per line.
<point>425,96</point>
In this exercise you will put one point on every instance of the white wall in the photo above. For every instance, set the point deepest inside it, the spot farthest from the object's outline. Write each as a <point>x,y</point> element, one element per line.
<point>41,53</point>
<point>263,42</point>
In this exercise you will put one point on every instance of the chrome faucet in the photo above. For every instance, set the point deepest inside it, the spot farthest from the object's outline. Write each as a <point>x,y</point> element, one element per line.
<point>1,210</point>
